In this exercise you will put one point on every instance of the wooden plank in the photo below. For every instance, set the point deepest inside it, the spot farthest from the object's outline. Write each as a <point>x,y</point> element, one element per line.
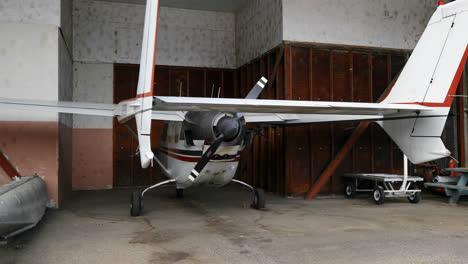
<point>288,73</point>
<point>178,82</point>
<point>380,76</point>
<point>229,90</point>
<point>382,150</point>
<point>321,134</point>
<point>7,166</point>
<point>298,146</point>
<point>361,78</point>
<point>273,73</point>
<point>196,83</point>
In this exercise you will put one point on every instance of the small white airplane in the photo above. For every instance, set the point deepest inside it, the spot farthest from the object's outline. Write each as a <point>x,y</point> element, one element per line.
<point>203,137</point>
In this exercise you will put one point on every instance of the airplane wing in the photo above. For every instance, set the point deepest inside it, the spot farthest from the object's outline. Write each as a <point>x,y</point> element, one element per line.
<point>59,107</point>
<point>96,109</point>
<point>168,115</point>
<point>290,119</point>
<point>279,110</point>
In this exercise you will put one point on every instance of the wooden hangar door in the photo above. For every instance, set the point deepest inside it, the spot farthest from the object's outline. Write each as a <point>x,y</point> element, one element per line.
<point>169,81</point>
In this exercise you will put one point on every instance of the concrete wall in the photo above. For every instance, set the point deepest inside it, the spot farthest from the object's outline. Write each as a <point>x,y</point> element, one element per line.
<point>106,32</point>
<point>92,136</point>
<point>43,12</point>
<point>259,28</point>
<point>21,77</point>
<point>66,22</point>
<point>375,23</point>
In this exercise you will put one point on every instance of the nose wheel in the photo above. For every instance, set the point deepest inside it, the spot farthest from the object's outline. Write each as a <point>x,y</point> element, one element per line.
<point>179,193</point>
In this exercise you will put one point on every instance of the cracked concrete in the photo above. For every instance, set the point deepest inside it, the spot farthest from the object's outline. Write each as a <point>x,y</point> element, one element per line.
<point>217,226</point>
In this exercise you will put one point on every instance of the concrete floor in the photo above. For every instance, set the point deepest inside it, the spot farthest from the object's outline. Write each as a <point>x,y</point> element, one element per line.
<point>216,226</point>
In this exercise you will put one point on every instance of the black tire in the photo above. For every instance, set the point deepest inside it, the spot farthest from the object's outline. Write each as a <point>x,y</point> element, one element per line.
<point>259,199</point>
<point>136,204</point>
<point>415,198</point>
<point>179,193</point>
<point>378,195</point>
<point>350,190</point>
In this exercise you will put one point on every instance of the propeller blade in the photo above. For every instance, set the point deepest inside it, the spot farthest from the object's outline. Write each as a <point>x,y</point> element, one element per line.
<point>257,89</point>
<point>254,93</point>
<point>206,157</point>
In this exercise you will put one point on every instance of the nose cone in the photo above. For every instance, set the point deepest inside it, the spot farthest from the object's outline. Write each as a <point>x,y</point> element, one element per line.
<point>229,127</point>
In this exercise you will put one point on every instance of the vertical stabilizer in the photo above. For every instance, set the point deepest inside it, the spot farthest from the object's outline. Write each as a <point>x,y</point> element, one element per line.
<point>430,78</point>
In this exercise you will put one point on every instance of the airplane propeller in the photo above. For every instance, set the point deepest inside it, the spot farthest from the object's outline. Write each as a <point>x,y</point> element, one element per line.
<point>228,128</point>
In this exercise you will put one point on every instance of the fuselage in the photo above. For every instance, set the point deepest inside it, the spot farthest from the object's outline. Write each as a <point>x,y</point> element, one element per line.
<point>180,148</point>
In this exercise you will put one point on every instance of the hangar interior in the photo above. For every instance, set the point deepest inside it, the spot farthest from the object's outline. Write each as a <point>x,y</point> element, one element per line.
<point>89,50</point>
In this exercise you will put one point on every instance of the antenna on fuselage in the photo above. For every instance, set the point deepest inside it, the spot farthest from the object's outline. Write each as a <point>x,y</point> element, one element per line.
<point>219,91</point>
<point>180,89</point>
<point>212,88</point>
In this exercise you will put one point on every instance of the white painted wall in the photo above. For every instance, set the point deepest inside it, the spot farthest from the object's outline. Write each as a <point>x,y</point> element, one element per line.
<point>106,32</point>
<point>28,67</point>
<point>374,23</point>
<point>45,12</point>
<point>259,28</point>
<point>93,83</point>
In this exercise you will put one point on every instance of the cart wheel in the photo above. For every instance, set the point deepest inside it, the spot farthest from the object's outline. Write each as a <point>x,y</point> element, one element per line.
<point>350,190</point>
<point>259,199</point>
<point>136,204</point>
<point>415,198</point>
<point>378,195</point>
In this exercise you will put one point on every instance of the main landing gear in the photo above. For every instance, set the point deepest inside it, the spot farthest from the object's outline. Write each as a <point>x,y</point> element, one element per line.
<point>258,197</point>
<point>136,199</point>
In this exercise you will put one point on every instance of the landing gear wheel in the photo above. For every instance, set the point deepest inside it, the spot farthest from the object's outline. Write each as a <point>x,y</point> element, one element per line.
<point>350,190</point>
<point>415,198</point>
<point>179,193</point>
<point>259,199</point>
<point>378,195</point>
<point>136,204</point>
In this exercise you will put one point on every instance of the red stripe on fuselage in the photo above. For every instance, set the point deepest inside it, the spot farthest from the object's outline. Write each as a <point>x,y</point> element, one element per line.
<point>195,159</point>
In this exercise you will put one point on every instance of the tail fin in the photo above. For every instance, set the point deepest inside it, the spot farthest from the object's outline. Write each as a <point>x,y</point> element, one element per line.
<point>140,107</point>
<point>430,78</point>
